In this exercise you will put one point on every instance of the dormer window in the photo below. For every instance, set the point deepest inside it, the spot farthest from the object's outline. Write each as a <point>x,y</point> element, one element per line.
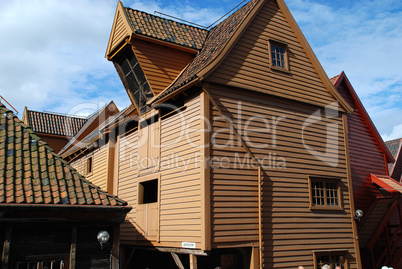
<point>278,55</point>
<point>134,80</point>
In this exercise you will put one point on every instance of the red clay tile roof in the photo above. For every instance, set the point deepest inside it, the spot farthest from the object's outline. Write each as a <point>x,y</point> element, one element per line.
<point>214,44</point>
<point>50,123</point>
<point>32,173</point>
<point>166,30</point>
<point>394,147</point>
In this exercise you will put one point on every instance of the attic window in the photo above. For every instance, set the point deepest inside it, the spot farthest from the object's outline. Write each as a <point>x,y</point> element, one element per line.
<point>134,79</point>
<point>278,55</point>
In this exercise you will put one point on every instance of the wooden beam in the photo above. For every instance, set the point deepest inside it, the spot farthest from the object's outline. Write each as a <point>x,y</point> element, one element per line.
<point>205,174</point>
<point>177,260</point>
<point>384,222</point>
<point>73,247</point>
<point>193,261</point>
<point>115,263</point>
<point>6,248</point>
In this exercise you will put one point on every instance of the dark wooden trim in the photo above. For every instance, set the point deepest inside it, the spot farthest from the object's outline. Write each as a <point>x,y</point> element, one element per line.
<point>6,248</point>
<point>73,247</point>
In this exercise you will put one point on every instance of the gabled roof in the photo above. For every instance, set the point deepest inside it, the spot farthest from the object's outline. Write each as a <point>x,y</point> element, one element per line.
<point>99,131</point>
<point>216,41</point>
<point>166,30</point>
<point>93,122</point>
<point>31,173</point>
<point>337,80</point>
<point>394,147</point>
<point>221,40</point>
<point>50,123</point>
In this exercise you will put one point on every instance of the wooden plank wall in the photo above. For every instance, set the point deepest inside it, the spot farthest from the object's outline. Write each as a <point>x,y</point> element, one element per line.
<point>161,65</point>
<point>56,143</point>
<point>99,166</point>
<point>120,31</point>
<point>180,184</point>
<point>127,183</point>
<point>365,155</point>
<point>247,66</point>
<point>291,231</point>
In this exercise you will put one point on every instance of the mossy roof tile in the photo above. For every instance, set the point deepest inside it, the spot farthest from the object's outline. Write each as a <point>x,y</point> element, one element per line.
<point>33,173</point>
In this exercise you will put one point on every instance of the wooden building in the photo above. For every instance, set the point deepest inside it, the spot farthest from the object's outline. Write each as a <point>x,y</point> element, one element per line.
<point>50,215</point>
<point>234,150</point>
<point>395,169</point>
<point>55,129</point>
<point>374,192</point>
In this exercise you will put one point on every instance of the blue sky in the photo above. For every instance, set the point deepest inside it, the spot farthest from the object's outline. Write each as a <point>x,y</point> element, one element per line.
<point>52,52</point>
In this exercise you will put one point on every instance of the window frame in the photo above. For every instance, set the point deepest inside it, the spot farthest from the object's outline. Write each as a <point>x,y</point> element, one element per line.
<point>148,178</point>
<point>273,42</point>
<point>325,180</point>
<point>331,253</point>
<point>89,165</point>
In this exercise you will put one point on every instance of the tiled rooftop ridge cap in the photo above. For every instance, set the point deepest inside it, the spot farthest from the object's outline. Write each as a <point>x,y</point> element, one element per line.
<point>53,123</point>
<point>62,183</point>
<point>167,30</point>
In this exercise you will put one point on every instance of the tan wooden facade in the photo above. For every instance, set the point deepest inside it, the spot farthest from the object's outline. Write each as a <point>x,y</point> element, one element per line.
<point>234,165</point>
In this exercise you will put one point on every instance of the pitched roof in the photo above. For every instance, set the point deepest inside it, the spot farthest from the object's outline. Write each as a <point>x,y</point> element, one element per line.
<point>166,30</point>
<point>55,124</point>
<point>214,44</point>
<point>219,41</point>
<point>395,147</point>
<point>337,80</point>
<point>31,173</point>
<point>387,183</point>
<point>94,120</point>
<point>98,132</point>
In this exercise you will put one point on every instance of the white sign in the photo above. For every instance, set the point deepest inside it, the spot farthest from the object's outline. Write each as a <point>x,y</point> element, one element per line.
<point>188,244</point>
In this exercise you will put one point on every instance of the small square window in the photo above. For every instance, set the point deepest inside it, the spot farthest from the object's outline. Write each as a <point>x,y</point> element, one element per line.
<point>278,56</point>
<point>325,193</point>
<point>148,192</point>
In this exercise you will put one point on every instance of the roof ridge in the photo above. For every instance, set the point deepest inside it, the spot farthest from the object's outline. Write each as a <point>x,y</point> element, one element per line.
<point>191,24</point>
<point>59,114</point>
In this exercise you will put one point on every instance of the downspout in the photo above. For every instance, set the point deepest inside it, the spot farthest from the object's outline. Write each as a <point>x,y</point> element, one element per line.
<point>233,129</point>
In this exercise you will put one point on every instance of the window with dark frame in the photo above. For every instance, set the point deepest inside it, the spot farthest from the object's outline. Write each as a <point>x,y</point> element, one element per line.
<point>148,192</point>
<point>134,79</point>
<point>324,193</point>
<point>331,259</point>
<point>278,55</point>
<point>89,165</point>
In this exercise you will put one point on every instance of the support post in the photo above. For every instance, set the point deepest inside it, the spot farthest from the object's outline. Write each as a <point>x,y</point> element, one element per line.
<point>6,249</point>
<point>193,261</point>
<point>73,247</point>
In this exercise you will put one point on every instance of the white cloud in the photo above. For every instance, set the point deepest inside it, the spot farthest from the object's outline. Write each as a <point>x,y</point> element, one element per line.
<point>54,54</point>
<point>363,38</point>
<point>396,133</point>
<point>185,10</point>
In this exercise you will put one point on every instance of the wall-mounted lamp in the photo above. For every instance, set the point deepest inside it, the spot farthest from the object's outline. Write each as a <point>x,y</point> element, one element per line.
<point>103,237</point>
<point>358,214</point>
